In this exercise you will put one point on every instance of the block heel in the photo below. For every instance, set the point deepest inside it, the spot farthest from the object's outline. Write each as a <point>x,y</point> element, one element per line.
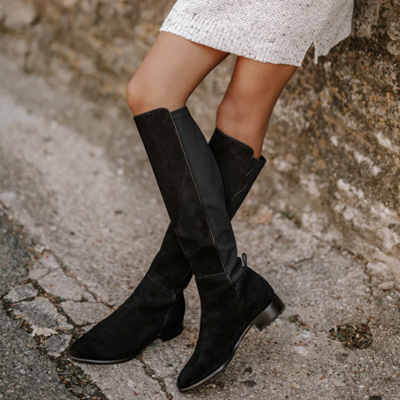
<point>172,332</point>
<point>270,314</point>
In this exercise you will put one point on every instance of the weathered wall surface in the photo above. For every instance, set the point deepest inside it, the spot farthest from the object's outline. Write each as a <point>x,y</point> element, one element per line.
<point>334,142</point>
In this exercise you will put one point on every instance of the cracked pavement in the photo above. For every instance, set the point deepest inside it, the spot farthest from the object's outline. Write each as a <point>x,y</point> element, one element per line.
<point>80,220</point>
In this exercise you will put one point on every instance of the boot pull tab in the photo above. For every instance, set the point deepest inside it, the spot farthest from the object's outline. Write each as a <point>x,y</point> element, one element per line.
<point>244,257</point>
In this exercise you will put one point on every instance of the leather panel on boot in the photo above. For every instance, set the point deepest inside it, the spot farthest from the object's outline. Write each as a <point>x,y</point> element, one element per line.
<point>239,197</point>
<point>239,169</point>
<point>209,183</point>
<point>233,155</point>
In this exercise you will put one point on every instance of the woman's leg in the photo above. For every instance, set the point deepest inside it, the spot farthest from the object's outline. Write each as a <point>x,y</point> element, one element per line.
<point>246,108</point>
<point>170,72</point>
<point>156,307</point>
<point>233,297</point>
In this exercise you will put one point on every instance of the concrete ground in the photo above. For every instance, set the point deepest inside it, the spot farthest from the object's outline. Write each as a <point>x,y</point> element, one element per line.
<point>75,176</point>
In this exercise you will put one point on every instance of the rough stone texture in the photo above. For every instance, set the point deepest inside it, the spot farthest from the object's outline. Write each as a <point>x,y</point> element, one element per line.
<point>336,131</point>
<point>46,264</point>
<point>380,270</point>
<point>43,331</point>
<point>24,373</point>
<point>16,15</point>
<point>38,270</point>
<point>333,144</point>
<point>126,381</point>
<point>7,198</point>
<point>59,284</point>
<point>41,313</point>
<point>85,313</point>
<point>386,285</point>
<point>21,293</point>
<point>60,154</point>
<point>14,255</point>
<point>56,344</point>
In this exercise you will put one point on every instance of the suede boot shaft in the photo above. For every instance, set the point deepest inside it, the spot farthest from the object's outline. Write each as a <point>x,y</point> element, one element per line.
<point>192,189</point>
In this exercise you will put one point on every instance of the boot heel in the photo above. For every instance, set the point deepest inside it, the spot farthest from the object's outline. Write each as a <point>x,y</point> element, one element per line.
<point>172,332</point>
<point>270,314</point>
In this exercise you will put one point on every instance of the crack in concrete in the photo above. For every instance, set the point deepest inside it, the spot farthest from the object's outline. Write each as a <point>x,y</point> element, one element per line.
<point>152,374</point>
<point>68,273</point>
<point>63,364</point>
<point>61,360</point>
<point>75,331</point>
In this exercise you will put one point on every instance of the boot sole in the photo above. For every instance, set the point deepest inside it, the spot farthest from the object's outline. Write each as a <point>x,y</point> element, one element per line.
<point>164,336</point>
<point>265,318</point>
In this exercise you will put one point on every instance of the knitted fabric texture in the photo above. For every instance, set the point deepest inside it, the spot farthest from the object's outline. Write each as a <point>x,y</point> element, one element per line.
<point>275,31</point>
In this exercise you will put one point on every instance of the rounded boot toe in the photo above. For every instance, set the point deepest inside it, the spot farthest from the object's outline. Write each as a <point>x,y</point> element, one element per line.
<point>184,381</point>
<point>88,349</point>
<point>191,377</point>
<point>83,350</point>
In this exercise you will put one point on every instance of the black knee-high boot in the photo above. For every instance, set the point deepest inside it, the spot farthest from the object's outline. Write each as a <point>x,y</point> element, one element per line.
<point>233,297</point>
<point>156,307</point>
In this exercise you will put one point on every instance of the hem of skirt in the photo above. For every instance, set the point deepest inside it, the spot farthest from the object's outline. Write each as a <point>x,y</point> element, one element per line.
<point>248,44</point>
<point>323,51</point>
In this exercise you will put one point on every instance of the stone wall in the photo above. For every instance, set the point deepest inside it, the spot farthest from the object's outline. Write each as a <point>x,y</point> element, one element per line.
<point>335,141</point>
<point>333,145</point>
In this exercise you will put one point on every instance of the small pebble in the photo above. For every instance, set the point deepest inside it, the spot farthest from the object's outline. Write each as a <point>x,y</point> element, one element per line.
<point>386,285</point>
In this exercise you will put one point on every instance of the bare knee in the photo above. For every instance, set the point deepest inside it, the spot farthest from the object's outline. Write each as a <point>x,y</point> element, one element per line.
<point>144,95</point>
<point>138,96</point>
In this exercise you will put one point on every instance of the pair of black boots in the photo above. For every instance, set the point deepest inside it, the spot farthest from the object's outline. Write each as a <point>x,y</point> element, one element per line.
<point>202,185</point>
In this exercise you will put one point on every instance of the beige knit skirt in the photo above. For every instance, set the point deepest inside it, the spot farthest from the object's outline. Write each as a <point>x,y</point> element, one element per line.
<point>275,31</point>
